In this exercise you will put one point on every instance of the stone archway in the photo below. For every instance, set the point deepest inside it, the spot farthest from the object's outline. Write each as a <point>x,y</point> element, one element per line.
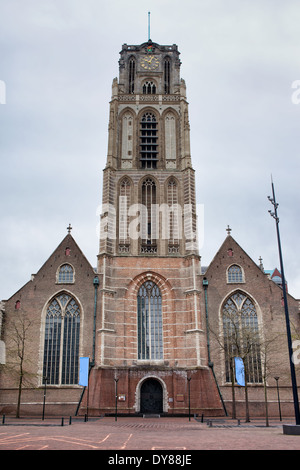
<point>151,397</point>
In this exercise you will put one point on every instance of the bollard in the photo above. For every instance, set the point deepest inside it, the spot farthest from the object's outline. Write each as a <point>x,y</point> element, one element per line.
<point>62,421</point>
<point>70,420</point>
<point>3,419</point>
<point>202,418</point>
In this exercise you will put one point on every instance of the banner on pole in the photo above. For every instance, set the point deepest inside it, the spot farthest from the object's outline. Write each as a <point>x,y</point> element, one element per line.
<point>239,371</point>
<point>84,371</point>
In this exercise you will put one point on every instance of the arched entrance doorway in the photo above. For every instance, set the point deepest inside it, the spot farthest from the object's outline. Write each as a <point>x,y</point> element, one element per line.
<point>151,397</point>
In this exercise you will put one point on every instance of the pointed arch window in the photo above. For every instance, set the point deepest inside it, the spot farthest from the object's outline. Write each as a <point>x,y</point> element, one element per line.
<point>167,75</point>
<point>235,274</point>
<point>149,88</point>
<point>241,336</point>
<point>65,274</point>
<point>124,204</point>
<point>148,219</point>
<point>149,313</point>
<point>131,74</point>
<point>174,216</point>
<point>61,342</point>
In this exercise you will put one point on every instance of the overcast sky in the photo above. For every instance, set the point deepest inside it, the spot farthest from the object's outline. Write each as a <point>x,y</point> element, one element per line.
<point>240,60</point>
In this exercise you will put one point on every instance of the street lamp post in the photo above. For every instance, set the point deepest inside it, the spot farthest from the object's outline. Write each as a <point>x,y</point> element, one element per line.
<point>277,378</point>
<point>288,329</point>
<point>44,400</point>
<point>189,389</point>
<point>116,391</point>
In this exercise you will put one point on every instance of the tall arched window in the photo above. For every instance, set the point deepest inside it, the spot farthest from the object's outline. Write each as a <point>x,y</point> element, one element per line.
<point>174,216</point>
<point>148,141</point>
<point>61,344</point>
<point>149,312</point>
<point>167,75</point>
<point>131,74</point>
<point>148,218</point>
<point>241,336</point>
<point>124,204</point>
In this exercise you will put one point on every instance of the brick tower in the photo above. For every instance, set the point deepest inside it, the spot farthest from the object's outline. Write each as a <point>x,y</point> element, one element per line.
<point>150,336</point>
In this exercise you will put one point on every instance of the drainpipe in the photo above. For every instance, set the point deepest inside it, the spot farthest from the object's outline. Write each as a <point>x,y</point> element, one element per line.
<point>210,363</point>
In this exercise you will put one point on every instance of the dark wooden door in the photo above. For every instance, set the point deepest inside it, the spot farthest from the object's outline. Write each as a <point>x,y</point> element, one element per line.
<point>151,397</point>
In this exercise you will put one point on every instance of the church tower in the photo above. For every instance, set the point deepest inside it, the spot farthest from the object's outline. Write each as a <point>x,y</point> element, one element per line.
<point>150,338</point>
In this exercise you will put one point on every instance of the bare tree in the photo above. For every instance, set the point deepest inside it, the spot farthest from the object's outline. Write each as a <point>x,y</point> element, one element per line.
<point>17,339</point>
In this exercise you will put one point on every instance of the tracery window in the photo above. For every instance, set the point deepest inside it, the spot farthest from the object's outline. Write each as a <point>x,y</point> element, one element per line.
<point>148,141</point>
<point>149,88</point>
<point>65,274</point>
<point>235,274</point>
<point>149,313</point>
<point>241,336</point>
<point>61,344</point>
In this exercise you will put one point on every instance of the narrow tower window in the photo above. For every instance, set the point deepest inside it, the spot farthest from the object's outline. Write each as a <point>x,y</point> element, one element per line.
<point>173,216</point>
<point>148,218</point>
<point>149,141</point>
<point>131,74</point>
<point>124,204</point>
<point>167,75</point>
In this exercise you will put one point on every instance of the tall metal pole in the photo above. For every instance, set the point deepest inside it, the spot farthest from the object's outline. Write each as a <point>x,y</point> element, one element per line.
<point>286,310</point>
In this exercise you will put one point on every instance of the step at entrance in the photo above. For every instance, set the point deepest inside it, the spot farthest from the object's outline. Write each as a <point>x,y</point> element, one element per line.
<point>148,415</point>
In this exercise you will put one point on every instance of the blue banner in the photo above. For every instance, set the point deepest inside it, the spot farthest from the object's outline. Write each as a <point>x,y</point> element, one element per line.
<point>239,371</point>
<point>84,371</point>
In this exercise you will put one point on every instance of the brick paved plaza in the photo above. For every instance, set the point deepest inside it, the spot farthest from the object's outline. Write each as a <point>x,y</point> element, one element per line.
<point>155,434</point>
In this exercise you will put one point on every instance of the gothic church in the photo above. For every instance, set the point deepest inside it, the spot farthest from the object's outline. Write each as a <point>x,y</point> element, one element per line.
<point>156,326</point>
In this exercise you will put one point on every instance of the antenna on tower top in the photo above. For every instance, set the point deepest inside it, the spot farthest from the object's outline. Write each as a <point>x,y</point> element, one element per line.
<point>149,25</point>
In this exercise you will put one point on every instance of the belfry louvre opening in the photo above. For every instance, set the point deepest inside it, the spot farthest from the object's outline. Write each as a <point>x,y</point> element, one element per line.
<point>149,141</point>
